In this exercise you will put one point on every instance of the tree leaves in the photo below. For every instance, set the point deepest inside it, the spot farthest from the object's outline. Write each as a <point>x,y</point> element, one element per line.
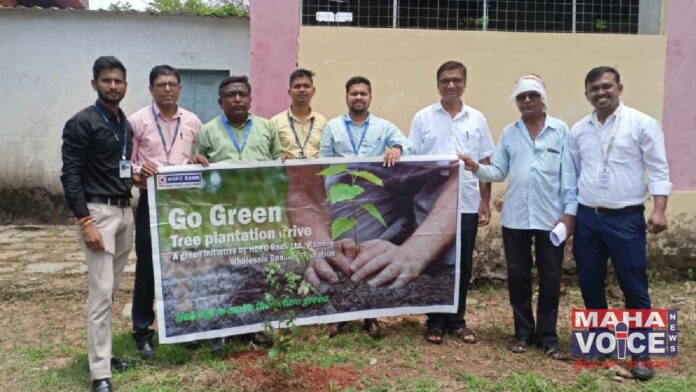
<point>342,192</point>
<point>340,225</point>
<point>366,175</point>
<point>333,170</point>
<point>372,210</point>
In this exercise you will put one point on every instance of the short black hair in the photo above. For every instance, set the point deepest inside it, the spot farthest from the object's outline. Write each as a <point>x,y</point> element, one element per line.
<point>163,69</point>
<point>358,80</point>
<point>597,72</point>
<point>234,79</point>
<point>449,66</point>
<point>107,62</point>
<point>301,73</point>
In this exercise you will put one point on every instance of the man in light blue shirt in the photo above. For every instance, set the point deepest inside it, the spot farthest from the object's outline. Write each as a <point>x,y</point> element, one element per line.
<point>362,134</point>
<point>359,133</point>
<point>542,191</point>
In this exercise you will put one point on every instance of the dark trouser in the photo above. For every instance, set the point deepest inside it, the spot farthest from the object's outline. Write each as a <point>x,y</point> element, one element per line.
<point>143,314</point>
<point>455,321</point>
<point>549,260</point>
<point>620,237</point>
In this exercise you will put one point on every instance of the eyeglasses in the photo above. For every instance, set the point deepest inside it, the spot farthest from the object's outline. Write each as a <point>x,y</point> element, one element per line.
<point>531,95</point>
<point>164,85</point>
<point>447,81</point>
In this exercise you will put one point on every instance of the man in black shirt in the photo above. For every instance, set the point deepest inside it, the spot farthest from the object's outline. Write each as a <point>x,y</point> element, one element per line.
<point>96,177</point>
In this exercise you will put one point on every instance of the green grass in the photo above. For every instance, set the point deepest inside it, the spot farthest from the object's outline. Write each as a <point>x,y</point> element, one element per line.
<point>403,362</point>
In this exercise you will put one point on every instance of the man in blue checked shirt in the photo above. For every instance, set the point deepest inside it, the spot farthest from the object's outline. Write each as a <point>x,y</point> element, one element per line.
<point>542,191</point>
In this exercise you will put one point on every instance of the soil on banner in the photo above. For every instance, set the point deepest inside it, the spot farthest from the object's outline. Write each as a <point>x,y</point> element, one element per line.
<point>222,286</point>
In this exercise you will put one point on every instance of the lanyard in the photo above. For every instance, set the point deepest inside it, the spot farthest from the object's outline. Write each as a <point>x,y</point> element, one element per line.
<point>159,129</point>
<point>610,145</point>
<point>227,126</point>
<point>297,138</point>
<point>350,135</point>
<point>112,126</point>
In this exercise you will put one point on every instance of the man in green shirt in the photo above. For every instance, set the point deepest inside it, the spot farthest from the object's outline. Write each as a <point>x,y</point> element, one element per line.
<point>237,135</point>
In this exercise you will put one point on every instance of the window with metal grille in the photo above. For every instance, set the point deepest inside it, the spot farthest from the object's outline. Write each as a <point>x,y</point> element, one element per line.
<point>582,16</point>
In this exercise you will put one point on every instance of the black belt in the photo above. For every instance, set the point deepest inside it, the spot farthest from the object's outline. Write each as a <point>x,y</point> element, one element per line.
<point>615,211</point>
<point>111,201</point>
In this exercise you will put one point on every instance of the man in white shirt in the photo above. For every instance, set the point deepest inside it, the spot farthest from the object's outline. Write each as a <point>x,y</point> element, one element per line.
<point>451,127</point>
<point>612,149</point>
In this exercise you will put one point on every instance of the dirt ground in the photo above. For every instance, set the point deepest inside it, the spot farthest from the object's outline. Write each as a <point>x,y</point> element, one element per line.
<point>43,292</point>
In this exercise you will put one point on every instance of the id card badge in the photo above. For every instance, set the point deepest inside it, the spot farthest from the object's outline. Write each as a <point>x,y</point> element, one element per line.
<point>603,179</point>
<point>124,169</point>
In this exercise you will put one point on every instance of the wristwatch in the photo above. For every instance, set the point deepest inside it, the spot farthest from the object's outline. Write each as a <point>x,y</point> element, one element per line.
<point>399,147</point>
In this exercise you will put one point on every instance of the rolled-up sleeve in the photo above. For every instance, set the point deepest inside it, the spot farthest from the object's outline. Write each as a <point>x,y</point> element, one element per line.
<point>74,153</point>
<point>652,143</point>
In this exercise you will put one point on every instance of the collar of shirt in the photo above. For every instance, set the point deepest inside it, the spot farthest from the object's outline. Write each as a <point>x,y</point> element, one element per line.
<point>249,115</point>
<point>294,117</point>
<point>159,114</point>
<point>523,127</point>
<point>347,118</point>
<point>463,112</point>
<point>617,112</point>
<point>119,118</point>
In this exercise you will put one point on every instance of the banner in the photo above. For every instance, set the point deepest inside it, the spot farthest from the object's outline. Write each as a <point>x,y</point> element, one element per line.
<point>378,242</point>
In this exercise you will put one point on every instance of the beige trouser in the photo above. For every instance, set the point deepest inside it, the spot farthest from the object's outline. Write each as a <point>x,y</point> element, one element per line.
<point>104,270</point>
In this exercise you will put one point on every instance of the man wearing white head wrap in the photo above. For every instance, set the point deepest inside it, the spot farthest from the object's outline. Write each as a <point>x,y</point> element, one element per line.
<point>530,82</point>
<point>542,191</point>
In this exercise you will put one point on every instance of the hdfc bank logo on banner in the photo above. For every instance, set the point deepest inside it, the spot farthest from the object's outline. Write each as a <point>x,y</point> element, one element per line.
<point>623,333</point>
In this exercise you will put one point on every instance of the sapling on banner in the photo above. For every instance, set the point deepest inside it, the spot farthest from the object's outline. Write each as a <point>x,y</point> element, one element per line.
<point>341,192</point>
<point>286,287</point>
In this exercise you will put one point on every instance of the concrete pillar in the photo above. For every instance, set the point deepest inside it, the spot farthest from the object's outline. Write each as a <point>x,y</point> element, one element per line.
<point>679,117</point>
<point>275,28</point>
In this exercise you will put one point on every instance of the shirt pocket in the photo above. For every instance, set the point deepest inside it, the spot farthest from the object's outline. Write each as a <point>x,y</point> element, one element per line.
<point>625,152</point>
<point>550,157</point>
<point>466,141</point>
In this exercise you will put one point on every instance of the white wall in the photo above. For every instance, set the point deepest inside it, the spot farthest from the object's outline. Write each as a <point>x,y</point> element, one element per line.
<point>46,59</point>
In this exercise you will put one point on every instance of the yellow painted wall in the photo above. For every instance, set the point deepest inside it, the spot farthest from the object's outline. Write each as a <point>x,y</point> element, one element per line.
<point>401,64</point>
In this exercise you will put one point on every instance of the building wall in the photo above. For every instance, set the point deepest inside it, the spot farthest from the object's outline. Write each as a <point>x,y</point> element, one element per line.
<point>402,63</point>
<point>46,62</point>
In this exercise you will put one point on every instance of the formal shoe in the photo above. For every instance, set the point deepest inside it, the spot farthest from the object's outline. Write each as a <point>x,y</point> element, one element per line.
<point>373,328</point>
<point>119,364</point>
<point>103,385</point>
<point>145,350</point>
<point>262,339</point>
<point>641,369</point>
<point>334,329</point>
<point>217,346</point>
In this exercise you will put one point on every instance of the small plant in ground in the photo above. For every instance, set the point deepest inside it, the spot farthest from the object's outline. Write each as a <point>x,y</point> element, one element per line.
<point>286,288</point>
